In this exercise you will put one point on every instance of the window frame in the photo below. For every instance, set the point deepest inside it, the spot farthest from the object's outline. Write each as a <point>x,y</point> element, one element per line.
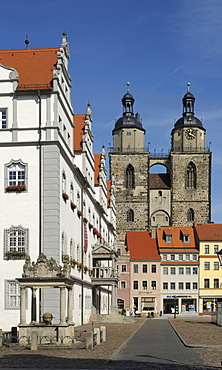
<point>207,265</point>
<point>17,243</point>
<point>144,268</point>
<point>7,185</point>
<point>135,268</point>
<point>123,268</point>
<point>8,295</point>
<point>3,111</point>
<point>135,284</point>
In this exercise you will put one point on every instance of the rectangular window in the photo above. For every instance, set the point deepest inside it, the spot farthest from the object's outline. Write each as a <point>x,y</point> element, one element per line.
<point>128,133</point>
<point>165,286</point>
<point>3,118</point>
<point>153,269</point>
<point>135,268</point>
<point>188,286</point>
<point>172,257</point>
<point>16,176</point>
<point>194,286</point>
<point>144,285</point>
<point>180,285</point>
<point>153,284</point>
<point>135,284</point>
<point>145,269</point>
<point>123,285</point>
<point>186,238</point>
<point>206,283</point>
<point>195,270</point>
<point>206,265</point>
<point>216,284</point>
<point>187,257</point>
<point>216,265</point>
<point>12,294</point>
<point>169,238</point>
<point>216,249</point>
<point>181,270</point>
<point>164,257</point>
<point>165,271</point>
<point>123,268</point>
<point>180,257</point>
<point>206,249</point>
<point>15,243</point>
<point>188,270</point>
<point>194,257</point>
<point>172,286</point>
<point>173,271</point>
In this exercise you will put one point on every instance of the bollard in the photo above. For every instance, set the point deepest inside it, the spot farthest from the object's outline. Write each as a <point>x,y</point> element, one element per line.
<point>34,341</point>
<point>97,332</point>
<point>103,329</point>
<point>89,340</point>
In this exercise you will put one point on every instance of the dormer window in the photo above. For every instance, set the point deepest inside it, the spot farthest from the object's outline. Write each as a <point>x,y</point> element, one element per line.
<point>168,238</point>
<point>186,238</point>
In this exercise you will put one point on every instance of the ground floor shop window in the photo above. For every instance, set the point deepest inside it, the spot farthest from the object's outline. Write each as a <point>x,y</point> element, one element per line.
<point>120,303</point>
<point>188,305</point>
<point>210,304</point>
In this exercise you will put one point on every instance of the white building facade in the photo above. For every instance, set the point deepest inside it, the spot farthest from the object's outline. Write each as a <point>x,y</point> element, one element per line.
<point>50,203</point>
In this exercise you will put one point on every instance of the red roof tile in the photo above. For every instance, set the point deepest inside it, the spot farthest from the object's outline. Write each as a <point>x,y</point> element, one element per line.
<point>141,245</point>
<point>97,158</point>
<point>35,66</point>
<point>79,123</point>
<point>208,232</point>
<point>159,181</point>
<point>177,243</point>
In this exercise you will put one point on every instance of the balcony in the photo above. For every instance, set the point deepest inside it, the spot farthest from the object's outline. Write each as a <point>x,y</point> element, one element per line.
<point>104,273</point>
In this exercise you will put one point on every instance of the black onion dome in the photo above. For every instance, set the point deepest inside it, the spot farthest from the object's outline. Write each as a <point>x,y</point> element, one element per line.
<point>128,122</point>
<point>188,121</point>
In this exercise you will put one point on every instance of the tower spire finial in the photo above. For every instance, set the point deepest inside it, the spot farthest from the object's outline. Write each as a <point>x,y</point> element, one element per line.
<point>27,42</point>
<point>128,85</point>
<point>188,86</point>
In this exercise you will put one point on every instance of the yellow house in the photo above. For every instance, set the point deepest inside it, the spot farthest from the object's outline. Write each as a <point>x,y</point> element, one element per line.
<point>209,238</point>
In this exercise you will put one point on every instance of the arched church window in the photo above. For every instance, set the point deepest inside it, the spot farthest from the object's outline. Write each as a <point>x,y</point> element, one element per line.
<point>191,176</point>
<point>190,215</point>
<point>130,177</point>
<point>130,215</point>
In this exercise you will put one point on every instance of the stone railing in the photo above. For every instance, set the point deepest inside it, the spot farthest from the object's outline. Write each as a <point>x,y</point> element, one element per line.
<point>105,273</point>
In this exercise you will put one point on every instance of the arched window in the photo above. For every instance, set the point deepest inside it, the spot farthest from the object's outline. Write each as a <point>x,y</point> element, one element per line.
<point>191,176</point>
<point>190,215</point>
<point>130,215</point>
<point>130,177</point>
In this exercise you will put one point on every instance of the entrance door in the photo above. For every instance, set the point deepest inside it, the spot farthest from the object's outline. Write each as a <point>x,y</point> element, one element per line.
<point>169,305</point>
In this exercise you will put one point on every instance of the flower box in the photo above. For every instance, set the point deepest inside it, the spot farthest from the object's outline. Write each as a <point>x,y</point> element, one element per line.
<point>79,213</point>
<point>85,220</point>
<point>17,188</point>
<point>90,226</point>
<point>73,262</point>
<point>15,255</point>
<point>73,205</point>
<point>65,196</point>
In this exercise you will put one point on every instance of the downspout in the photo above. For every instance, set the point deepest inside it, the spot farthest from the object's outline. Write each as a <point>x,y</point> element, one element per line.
<point>40,194</point>
<point>82,276</point>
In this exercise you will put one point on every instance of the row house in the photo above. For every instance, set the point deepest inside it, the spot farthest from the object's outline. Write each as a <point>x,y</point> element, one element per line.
<point>51,202</point>
<point>209,237</point>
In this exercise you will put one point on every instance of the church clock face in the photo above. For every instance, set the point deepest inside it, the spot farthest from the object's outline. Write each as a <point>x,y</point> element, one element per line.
<point>190,133</point>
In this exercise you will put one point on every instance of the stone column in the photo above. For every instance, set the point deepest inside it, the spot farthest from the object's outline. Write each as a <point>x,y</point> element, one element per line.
<point>22,306</point>
<point>33,313</point>
<point>70,306</point>
<point>62,305</point>
<point>114,307</point>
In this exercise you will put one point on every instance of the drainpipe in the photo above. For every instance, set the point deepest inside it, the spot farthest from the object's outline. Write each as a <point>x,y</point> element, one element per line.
<point>40,193</point>
<point>82,247</point>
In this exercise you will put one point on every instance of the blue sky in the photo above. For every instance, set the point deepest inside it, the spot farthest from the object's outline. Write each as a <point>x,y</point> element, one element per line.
<point>156,45</point>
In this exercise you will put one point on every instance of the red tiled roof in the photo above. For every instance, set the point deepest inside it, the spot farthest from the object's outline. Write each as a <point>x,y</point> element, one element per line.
<point>208,232</point>
<point>79,123</point>
<point>177,240</point>
<point>35,66</point>
<point>159,181</point>
<point>97,158</point>
<point>108,184</point>
<point>141,245</point>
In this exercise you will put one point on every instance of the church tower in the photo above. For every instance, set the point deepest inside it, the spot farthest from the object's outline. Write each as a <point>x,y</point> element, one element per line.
<point>190,168</point>
<point>128,165</point>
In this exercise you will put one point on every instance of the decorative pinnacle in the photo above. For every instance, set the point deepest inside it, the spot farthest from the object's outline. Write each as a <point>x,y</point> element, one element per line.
<point>128,85</point>
<point>188,86</point>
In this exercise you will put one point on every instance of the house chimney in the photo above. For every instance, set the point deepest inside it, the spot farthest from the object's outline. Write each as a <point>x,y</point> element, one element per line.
<point>153,233</point>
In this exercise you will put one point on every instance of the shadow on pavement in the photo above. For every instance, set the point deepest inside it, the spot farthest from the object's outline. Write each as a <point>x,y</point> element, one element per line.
<point>28,361</point>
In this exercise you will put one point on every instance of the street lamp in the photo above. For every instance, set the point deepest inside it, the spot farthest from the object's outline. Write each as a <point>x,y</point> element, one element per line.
<point>219,256</point>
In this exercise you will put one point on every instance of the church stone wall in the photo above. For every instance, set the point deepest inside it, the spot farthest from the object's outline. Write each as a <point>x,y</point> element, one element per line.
<point>182,199</point>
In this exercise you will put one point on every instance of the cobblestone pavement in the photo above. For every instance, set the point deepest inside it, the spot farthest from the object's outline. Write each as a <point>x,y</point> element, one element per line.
<point>194,331</point>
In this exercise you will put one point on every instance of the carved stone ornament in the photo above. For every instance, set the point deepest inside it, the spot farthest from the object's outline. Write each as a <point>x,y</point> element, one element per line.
<point>45,268</point>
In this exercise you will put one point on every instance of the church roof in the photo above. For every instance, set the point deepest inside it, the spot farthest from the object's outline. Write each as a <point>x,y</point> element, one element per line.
<point>34,66</point>
<point>159,181</point>
<point>141,245</point>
